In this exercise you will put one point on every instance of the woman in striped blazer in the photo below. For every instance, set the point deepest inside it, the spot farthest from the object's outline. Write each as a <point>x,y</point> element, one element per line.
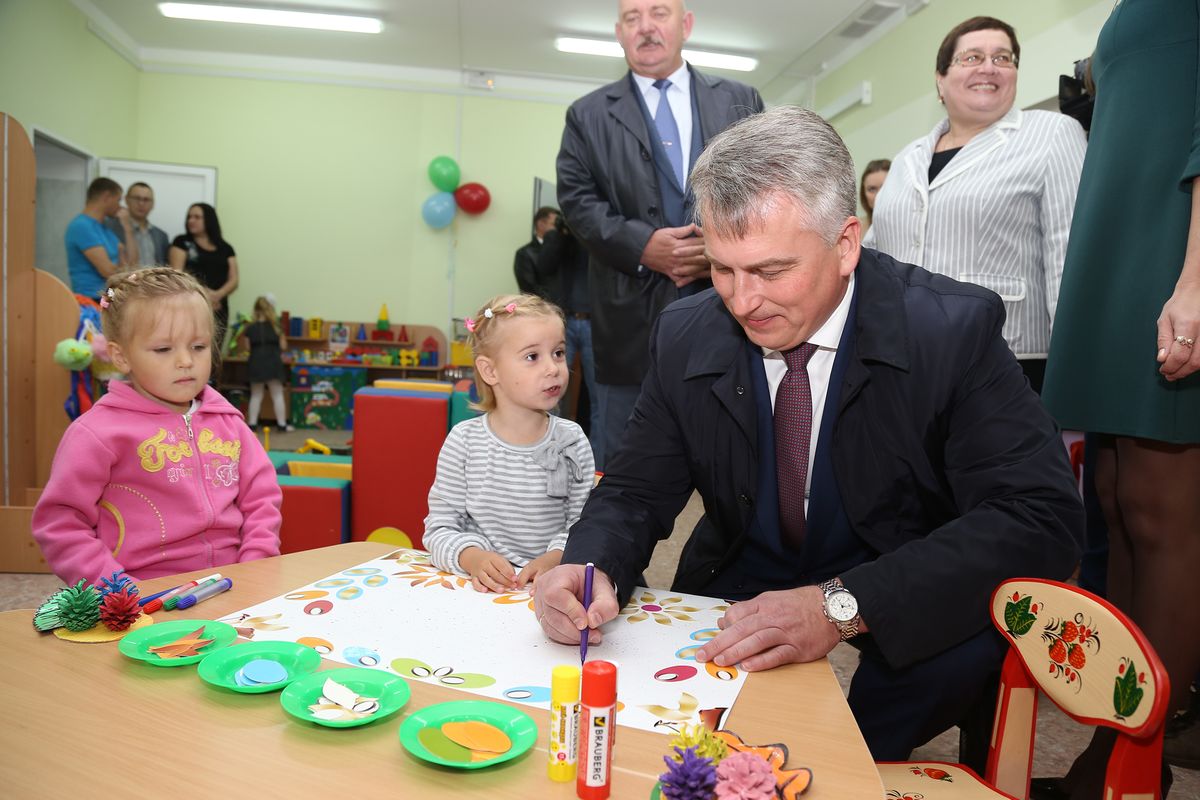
<point>987,196</point>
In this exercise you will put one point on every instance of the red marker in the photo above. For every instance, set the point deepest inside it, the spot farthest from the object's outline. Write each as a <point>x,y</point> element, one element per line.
<point>597,725</point>
<point>157,603</point>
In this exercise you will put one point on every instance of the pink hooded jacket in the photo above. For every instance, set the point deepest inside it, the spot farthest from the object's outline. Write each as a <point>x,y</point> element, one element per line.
<point>138,488</point>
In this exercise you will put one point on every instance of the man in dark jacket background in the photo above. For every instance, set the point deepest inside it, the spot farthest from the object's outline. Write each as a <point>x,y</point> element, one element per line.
<point>876,490</point>
<point>526,259</point>
<point>622,175</point>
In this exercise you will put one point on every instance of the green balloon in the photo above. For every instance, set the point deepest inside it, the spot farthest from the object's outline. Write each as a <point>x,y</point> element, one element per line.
<point>443,171</point>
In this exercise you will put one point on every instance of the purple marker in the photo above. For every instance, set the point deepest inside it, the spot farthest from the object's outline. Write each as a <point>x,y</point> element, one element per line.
<point>587,601</point>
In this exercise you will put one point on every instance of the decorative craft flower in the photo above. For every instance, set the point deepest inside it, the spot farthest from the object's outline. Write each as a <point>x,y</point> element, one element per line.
<point>663,611</point>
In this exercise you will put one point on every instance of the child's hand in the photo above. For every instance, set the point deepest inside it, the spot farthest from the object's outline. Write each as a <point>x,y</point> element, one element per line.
<point>543,563</point>
<point>490,572</point>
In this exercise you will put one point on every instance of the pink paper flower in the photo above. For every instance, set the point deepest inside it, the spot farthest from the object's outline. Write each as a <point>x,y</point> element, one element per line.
<point>745,776</point>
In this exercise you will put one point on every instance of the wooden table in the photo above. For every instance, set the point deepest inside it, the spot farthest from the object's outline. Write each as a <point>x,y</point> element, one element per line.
<point>83,718</point>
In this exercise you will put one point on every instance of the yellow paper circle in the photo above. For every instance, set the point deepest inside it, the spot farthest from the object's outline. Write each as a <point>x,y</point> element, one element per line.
<point>98,633</point>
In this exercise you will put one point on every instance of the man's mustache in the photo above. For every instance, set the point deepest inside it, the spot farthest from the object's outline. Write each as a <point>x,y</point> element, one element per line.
<point>651,40</point>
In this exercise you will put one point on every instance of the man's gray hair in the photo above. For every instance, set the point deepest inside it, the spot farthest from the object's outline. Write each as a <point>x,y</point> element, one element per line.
<point>785,151</point>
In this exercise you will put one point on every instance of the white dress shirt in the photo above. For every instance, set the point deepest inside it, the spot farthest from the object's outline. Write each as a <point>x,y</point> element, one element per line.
<point>679,97</point>
<point>820,369</point>
<point>997,215</point>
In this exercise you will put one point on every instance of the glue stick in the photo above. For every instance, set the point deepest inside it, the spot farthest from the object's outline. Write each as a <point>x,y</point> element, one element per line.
<point>564,723</point>
<point>597,723</point>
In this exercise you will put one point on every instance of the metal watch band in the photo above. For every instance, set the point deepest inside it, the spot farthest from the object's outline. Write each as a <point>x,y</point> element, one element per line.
<point>846,630</point>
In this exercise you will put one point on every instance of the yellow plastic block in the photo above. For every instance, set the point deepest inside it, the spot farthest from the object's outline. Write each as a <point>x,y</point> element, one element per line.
<point>460,355</point>
<point>318,469</point>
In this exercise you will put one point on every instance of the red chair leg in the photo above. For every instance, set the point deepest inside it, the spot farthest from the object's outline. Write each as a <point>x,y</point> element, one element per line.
<point>1135,768</point>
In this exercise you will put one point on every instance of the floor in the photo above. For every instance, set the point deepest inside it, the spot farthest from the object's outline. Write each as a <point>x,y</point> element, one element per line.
<point>1059,738</point>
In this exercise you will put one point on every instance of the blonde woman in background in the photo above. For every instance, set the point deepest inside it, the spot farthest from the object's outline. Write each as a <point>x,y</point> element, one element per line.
<point>265,367</point>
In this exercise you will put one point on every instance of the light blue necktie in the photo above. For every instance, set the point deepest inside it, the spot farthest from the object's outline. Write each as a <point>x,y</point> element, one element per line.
<point>668,131</point>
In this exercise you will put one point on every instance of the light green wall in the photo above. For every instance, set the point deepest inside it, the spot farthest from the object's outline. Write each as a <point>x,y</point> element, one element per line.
<point>56,75</point>
<point>320,188</point>
<point>1053,35</point>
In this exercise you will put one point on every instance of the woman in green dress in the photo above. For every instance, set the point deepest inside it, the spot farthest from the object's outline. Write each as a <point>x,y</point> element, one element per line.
<point>1123,356</point>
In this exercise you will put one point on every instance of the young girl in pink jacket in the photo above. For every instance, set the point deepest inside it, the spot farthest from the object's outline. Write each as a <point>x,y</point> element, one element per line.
<point>162,475</point>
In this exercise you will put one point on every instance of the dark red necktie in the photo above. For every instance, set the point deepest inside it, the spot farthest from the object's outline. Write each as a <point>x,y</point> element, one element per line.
<point>793,433</point>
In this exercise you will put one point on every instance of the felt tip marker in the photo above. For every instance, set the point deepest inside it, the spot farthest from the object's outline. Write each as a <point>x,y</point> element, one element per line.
<point>564,723</point>
<point>169,603</point>
<point>204,592</point>
<point>588,573</point>
<point>597,727</point>
<point>157,602</point>
<point>156,595</point>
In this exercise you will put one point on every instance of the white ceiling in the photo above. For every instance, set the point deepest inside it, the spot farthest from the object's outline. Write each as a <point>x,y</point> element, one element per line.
<point>443,41</point>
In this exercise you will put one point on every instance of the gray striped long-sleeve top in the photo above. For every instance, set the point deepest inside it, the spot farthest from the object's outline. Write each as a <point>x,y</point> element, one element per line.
<point>518,501</point>
<point>997,215</point>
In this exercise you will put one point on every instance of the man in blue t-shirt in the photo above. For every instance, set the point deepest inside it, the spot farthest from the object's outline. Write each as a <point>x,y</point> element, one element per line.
<point>93,251</point>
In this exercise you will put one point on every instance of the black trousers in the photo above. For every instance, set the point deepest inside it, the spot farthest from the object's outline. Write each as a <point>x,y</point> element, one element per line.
<point>901,709</point>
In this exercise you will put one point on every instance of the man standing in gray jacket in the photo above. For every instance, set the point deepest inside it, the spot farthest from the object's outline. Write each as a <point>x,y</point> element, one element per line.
<point>622,185</point>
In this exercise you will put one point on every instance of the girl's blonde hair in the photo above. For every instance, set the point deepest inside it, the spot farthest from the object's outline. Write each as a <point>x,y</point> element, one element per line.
<point>264,310</point>
<point>484,330</point>
<point>152,283</point>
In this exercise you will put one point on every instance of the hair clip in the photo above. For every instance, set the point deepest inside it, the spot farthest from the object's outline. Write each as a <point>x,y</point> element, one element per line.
<point>487,312</point>
<point>107,298</point>
<point>470,323</point>
<point>104,302</point>
<point>511,308</point>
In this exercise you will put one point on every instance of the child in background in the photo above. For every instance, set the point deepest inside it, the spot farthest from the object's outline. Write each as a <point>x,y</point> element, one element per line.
<point>512,482</point>
<point>266,343</point>
<point>161,476</point>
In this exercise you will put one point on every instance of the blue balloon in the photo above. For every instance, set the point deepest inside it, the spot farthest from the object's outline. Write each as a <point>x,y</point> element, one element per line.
<point>438,211</point>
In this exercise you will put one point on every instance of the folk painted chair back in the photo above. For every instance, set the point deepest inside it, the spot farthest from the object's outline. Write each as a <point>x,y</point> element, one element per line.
<point>1095,664</point>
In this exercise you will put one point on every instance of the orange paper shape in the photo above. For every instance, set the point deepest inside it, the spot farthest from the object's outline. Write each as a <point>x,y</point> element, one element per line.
<point>184,646</point>
<point>478,736</point>
<point>789,783</point>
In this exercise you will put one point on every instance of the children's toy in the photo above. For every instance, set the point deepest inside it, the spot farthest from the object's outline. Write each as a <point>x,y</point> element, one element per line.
<point>313,446</point>
<point>73,354</point>
<point>383,327</point>
<point>119,610</point>
<point>316,328</point>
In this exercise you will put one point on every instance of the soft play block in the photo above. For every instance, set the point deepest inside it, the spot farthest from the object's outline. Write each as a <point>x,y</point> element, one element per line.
<point>460,402</point>
<point>397,437</point>
<point>437,387</point>
<point>316,513</point>
<point>318,469</point>
<point>281,458</point>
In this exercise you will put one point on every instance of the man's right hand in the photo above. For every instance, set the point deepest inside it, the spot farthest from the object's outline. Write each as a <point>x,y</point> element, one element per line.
<point>558,603</point>
<point>677,253</point>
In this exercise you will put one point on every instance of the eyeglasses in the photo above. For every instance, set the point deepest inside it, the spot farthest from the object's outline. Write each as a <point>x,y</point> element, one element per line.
<point>974,58</point>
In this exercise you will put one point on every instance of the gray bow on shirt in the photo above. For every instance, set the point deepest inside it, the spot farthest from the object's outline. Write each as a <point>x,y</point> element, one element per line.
<point>558,460</point>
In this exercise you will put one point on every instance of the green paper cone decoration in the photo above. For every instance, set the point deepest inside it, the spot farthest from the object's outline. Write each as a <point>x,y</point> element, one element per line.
<point>47,617</point>
<point>79,607</point>
<point>119,610</point>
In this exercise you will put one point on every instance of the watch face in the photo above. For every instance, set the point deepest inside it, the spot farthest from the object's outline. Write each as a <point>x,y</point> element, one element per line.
<point>842,606</point>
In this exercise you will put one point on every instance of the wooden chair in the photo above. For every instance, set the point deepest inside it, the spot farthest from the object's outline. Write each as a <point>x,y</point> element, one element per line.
<point>1093,662</point>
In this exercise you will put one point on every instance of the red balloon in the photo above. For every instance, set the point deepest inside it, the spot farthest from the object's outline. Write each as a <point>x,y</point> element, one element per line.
<point>473,198</point>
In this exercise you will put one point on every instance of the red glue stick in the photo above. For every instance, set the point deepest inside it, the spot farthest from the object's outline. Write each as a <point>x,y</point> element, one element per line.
<point>597,725</point>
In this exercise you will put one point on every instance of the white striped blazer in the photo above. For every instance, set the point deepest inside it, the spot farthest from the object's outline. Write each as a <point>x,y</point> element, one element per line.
<point>997,215</point>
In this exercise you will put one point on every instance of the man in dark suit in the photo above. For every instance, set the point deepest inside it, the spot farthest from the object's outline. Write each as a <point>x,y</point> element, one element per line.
<point>875,493</point>
<point>622,184</point>
<point>526,260</point>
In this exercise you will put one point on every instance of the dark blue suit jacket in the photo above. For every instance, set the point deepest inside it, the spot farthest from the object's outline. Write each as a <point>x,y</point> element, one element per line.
<point>945,462</point>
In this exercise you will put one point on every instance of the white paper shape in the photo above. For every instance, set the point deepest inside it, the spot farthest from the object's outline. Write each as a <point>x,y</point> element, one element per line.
<point>399,608</point>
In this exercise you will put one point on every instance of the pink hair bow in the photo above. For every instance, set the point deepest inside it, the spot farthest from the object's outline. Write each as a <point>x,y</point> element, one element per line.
<point>470,323</point>
<point>511,308</point>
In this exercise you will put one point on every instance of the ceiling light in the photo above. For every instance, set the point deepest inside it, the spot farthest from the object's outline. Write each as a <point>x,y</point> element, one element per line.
<point>271,16</point>
<point>700,58</point>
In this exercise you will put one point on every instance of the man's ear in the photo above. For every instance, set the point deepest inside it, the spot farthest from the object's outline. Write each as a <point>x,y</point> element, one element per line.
<point>485,369</point>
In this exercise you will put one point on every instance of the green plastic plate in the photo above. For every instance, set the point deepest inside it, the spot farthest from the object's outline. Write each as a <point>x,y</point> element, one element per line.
<point>137,644</point>
<point>518,726</point>
<point>220,668</point>
<point>391,689</point>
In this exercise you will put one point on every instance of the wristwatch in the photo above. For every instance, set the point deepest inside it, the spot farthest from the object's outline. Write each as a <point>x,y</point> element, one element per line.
<point>841,608</point>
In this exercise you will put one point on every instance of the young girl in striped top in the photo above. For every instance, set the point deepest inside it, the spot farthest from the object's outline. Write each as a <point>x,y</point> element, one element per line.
<point>512,482</point>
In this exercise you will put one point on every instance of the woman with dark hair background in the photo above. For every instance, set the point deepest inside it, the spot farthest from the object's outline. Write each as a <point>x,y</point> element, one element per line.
<point>870,184</point>
<point>203,252</point>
